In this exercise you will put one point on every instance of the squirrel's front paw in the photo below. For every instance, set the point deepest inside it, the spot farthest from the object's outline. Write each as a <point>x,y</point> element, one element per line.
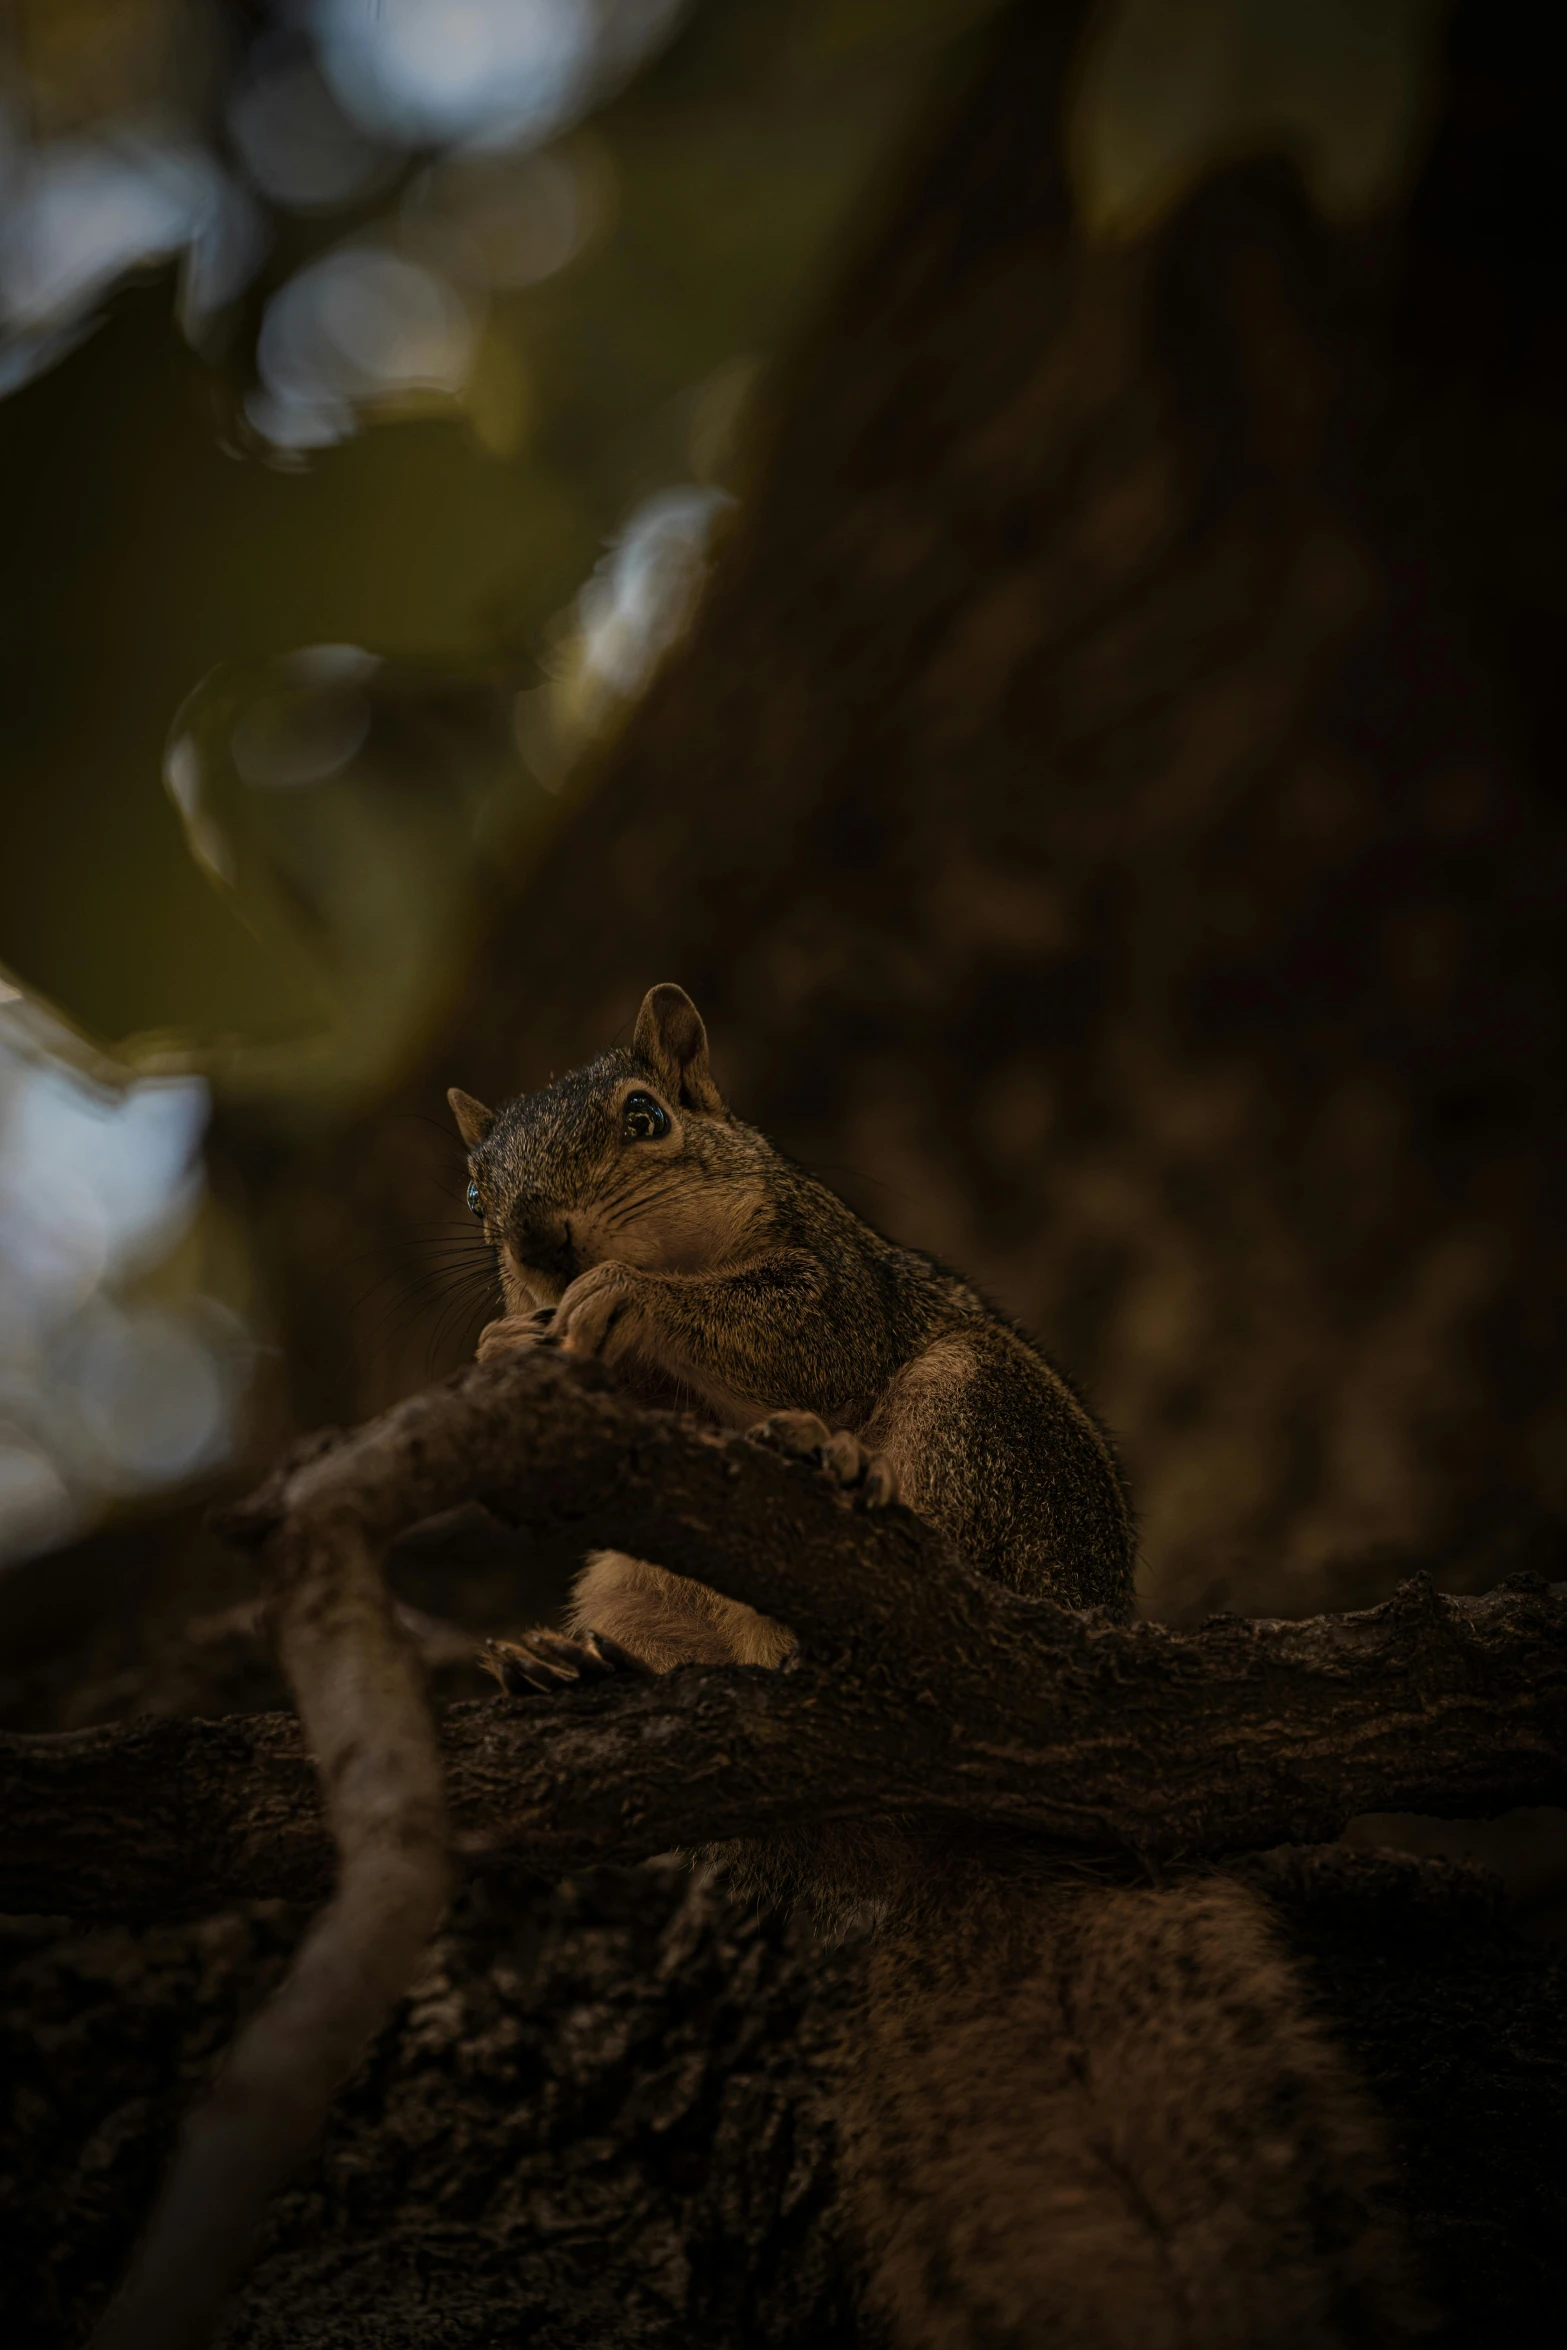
<point>603,1313</point>
<point>513,1332</point>
<point>546,1661</point>
<point>869,1476</point>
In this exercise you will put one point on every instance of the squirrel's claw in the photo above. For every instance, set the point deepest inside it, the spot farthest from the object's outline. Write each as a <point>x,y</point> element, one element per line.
<point>879,1488</point>
<point>615,1658</point>
<point>580,1659</point>
<point>604,1313</point>
<point>515,1332</point>
<point>798,1435</point>
<point>547,1661</point>
<point>868,1476</point>
<point>519,1671</point>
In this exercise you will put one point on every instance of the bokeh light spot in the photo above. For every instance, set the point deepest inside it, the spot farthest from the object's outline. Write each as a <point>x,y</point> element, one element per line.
<point>442,70</point>
<point>360,327</point>
<point>149,1393</point>
<point>297,144</point>
<point>284,741</point>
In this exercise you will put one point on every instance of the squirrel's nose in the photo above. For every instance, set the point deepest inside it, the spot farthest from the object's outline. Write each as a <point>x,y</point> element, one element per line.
<point>541,1241</point>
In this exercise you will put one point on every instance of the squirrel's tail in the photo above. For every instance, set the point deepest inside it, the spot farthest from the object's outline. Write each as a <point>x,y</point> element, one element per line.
<point>1102,2118</point>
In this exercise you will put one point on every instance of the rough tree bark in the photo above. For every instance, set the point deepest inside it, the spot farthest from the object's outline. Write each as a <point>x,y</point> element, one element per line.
<point>1119,1748</point>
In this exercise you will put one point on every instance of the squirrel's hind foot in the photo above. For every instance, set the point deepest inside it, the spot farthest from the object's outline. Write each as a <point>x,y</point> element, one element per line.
<point>546,1661</point>
<point>869,1476</point>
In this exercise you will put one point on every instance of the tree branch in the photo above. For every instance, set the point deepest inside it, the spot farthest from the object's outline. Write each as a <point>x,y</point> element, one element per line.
<point>1098,1737</point>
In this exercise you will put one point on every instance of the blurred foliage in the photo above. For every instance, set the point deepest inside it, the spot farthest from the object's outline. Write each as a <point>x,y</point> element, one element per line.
<point>155,534</point>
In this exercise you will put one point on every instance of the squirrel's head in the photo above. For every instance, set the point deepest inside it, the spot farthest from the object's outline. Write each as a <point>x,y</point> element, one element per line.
<point>632,1158</point>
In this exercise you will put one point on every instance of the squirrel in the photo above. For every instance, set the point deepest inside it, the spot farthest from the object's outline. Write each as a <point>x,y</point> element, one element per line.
<point>1076,2113</point>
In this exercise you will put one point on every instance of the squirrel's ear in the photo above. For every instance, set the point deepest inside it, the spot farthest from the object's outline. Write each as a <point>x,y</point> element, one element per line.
<point>473,1119</point>
<point>671,1039</point>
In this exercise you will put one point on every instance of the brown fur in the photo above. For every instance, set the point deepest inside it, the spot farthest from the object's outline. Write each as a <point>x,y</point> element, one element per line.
<point>668,1620</point>
<point>1076,2116</point>
<point>1104,2119</point>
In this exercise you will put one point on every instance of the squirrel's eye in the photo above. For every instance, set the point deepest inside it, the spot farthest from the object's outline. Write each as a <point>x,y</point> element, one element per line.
<point>642,1119</point>
<point>473,1200</point>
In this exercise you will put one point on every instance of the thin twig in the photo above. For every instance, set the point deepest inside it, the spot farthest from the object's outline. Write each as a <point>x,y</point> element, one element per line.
<point>362,1705</point>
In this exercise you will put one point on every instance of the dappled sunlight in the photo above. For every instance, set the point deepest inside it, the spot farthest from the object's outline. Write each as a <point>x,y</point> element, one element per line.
<point>82,213</point>
<point>643,592</point>
<point>639,601</point>
<point>297,143</point>
<point>327,109</point>
<point>507,221</point>
<point>362,328</point>
<point>118,1372</point>
<point>488,72</point>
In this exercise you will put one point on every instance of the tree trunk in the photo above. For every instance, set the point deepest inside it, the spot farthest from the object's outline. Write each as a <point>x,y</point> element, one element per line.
<point>598,2121</point>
